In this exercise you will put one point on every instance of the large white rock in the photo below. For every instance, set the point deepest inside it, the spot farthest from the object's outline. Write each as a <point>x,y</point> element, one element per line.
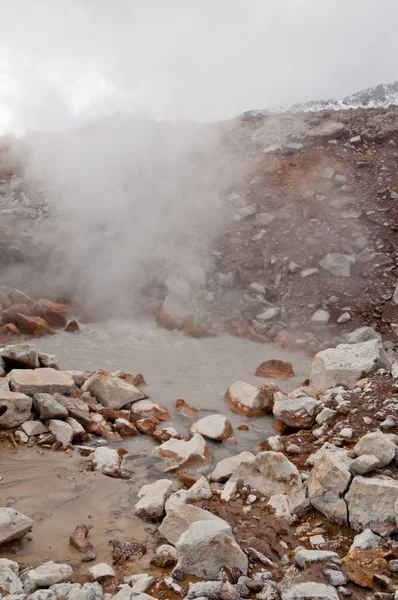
<point>227,466</point>
<point>327,483</point>
<point>214,427</point>
<point>13,525</point>
<point>376,444</point>
<point>297,409</point>
<point>111,391</point>
<point>100,571</point>
<point>16,407</point>
<point>47,381</point>
<point>47,574</point>
<point>18,356</point>
<point>191,454</point>
<point>347,363</point>
<point>249,400</point>
<point>200,490</point>
<point>152,498</point>
<point>371,503</point>
<point>270,473</point>
<point>177,521</point>
<point>207,546</point>
<point>106,460</point>
<point>309,590</point>
<point>62,431</point>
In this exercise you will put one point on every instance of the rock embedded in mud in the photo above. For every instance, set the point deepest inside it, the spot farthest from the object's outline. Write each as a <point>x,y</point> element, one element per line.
<point>111,391</point>
<point>346,364</point>
<point>20,356</point>
<point>227,466</point>
<point>278,369</point>
<point>305,557</point>
<point>106,460</point>
<point>207,546</point>
<point>48,408</point>
<point>152,498</point>
<point>214,427</point>
<point>47,381</point>
<point>297,409</point>
<point>327,483</point>
<point>46,575</point>
<point>371,503</point>
<point>377,444</point>
<point>194,453</point>
<point>146,408</point>
<point>309,590</point>
<point>366,540</point>
<point>79,540</point>
<point>101,571</point>
<point>250,401</point>
<point>13,525</point>
<point>15,409</point>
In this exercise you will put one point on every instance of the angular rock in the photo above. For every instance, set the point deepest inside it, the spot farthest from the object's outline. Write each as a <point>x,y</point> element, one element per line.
<point>47,381</point>
<point>362,334</point>
<point>111,391</point>
<point>15,409</point>
<point>309,590</point>
<point>49,360</point>
<point>165,556</point>
<point>371,503</point>
<point>203,590</point>
<point>79,540</point>
<point>78,430</point>
<point>346,364</point>
<point>9,582</point>
<point>47,574</point>
<point>175,310</point>
<point>101,571</point>
<point>296,410</point>
<point>263,219</point>
<point>146,408</point>
<point>328,481</point>
<point>248,400</point>
<point>177,521</point>
<point>152,498</point>
<point>33,428</point>
<point>106,460</point>
<point>79,377</point>
<point>366,540</point>
<point>13,525</point>
<point>321,317</point>
<point>20,356</point>
<point>200,490</point>
<point>227,466</point>
<point>192,454</point>
<point>10,564</point>
<point>62,431</point>
<point>33,326</point>
<point>376,444</point>
<point>269,314</point>
<point>338,264</point>
<point>278,369</point>
<point>48,408</point>
<point>364,464</point>
<point>214,427</point>
<point>306,557</point>
<point>206,547</point>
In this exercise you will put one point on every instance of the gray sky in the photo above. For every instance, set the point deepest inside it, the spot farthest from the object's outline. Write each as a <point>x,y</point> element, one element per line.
<point>68,61</point>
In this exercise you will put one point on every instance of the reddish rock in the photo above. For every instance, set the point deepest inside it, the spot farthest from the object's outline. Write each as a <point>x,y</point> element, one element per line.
<point>63,309</point>
<point>72,326</point>
<point>243,427</point>
<point>185,409</point>
<point>360,566</point>
<point>147,425</point>
<point>278,369</point>
<point>79,540</point>
<point>139,380</point>
<point>34,326</point>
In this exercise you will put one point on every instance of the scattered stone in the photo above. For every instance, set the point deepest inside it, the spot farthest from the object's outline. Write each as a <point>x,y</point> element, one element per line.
<point>175,310</point>
<point>328,481</point>
<point>178,520</point>
<point>101,571</point>
<point>146,408</point>
<point>201,590</point>
<point>152,498</point>
<point>362,334</point>
<point>33,428</point>
<point>48,408</point>
<point>263,219</point>
<point>248,400</point>
<point>366,540</point>
<point>278,369</point>
<point>165,556</point>
<point>248,211</point>
<point>79,540</point>
<point>139,583</point>
<point>49,360</point>
<point>376,444</point>
<point>10,582</point>
<point>72,326</point>
<point>338,264</point>
<point>47,574</point>
<point>309,590</point>
<point>62,432</point>
<point>335,578</point>
<point>106,460</point>
<point>297,409</point>
<point>47,381</point>
<point>306,557</point>
<point>214,427</point>
<point>333,130</point>
<point>10,564</point>
<point>227,466</point>
<point>371,503</point>
<point>364,464</point>
<point>111,391</point>
<point>207,546</point>
<point>13,525</point>
<point>327,172</point>
<point>321,317</point>
<point>346,364</point>
<point>15,409</point>
<point>309,272</point>
<point>191,454</point>
<point>269,314</point>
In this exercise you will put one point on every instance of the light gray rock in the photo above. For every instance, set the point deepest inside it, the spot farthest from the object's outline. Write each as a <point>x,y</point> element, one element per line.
<point>327,172</point>
<point>270,591</point>
<point>78,429</point>
<point>347,363</point>
<point>49,360</point>
<point>335,578</point>
<point>362,334</point>
<point>178,308</point>
<point>371,502</point>
<point>62,431</point>
<point>106,460</point>
<point>366,540</point>
<point>189,454</point>
<point>200,490</point>
<point>18,356</point>
<point>329,129</point>
<point>47,381</point>
<point>269,314</point>
<point>248,211</point>
<point>100,571</point>
<point>296,410</point>
<point>249,400</point>
<point>42,595</point>
<point>152,498</point>
<point>206,546</point>
<point>9,581</point>
<point>10,564</point>
<point>13,525</point>
<point>326,414</point>
<point>177,521</point>
<point>263,219</point>
<point>111,391</point>
<point>227,466</point>
<point>364,464</point>
<point>327,483</point>
<point>309,590</point>
<point>204,589</point>
<point>214,427</point>
<point>140,582</point>
<point>304,557</point>
<point>46,575</point>
<point>79,377</point>
<point>325,450</point>
<point>338,264</point>
<point>165,556</point>
<point>33,428</point>
<point>17,408</point>
<point>64,590</point>
<point>321,317</point>
<point>48,408</point>
<point>376,444</point>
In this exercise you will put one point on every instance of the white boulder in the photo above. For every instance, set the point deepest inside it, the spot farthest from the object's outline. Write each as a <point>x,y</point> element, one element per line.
<point>376,444</point>
<point>177,521</point>
<point>13,525</point>
<point>47,574</point>
<point>308,590</point>
<point>371,503</point>
<point>248,400</point>
<point>194,453</point>
<point>214,427</point>
<point>227,466</point>
<point>152,498</point>
<point>111,391</point>
<point>106,460</point>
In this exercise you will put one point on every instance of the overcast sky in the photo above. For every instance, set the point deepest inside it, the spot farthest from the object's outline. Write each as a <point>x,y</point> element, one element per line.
<point>68,61</point>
